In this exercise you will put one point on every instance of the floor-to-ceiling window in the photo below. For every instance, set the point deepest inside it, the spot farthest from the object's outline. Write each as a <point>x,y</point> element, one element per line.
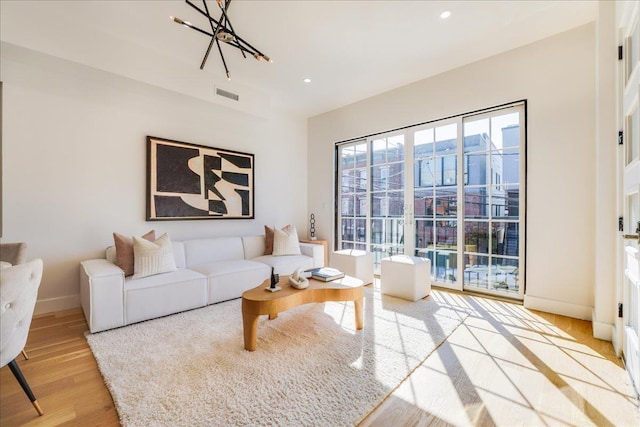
<point>447,190</point>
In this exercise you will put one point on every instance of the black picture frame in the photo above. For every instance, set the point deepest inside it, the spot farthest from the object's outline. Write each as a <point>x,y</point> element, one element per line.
<point>189,181</point>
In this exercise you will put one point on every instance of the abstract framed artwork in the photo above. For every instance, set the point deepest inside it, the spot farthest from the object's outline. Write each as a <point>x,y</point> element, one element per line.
<point>190,181</point>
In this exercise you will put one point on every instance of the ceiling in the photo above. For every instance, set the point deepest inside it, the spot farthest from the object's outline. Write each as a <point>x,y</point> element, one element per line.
<point>350,50</point>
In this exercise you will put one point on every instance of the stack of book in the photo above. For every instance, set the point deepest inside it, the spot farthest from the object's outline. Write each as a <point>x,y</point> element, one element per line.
<point>325,274</point>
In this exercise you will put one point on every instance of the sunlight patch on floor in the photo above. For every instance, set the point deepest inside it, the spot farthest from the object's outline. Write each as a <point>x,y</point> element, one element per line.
<point>432,390</point>
<point>506,365</point>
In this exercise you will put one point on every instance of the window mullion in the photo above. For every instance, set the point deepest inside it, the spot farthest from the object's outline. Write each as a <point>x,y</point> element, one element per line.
<point>460,195</point>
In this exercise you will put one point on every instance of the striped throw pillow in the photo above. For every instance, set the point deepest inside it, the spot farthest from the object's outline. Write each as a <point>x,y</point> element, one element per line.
<point>151,258</point>
<point>285,241</point>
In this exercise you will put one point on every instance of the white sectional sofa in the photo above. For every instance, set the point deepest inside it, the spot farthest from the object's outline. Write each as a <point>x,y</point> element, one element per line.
<point>209,271</point>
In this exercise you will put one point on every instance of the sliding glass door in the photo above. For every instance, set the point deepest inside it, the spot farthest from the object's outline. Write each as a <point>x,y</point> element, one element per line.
<point>387,223</point>
<point>435,199</point>
<point>372,185</point>
<point>492,205</point>
<point>354,196</point>
<point>448,191</point>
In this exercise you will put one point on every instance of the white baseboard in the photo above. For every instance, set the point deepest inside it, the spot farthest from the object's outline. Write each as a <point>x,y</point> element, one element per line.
<point>50,305</point>
<point>558,307</point>
<point>601,330</point>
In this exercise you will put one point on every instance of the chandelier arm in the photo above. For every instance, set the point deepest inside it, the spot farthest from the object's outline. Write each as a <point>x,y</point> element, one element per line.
<point>223,61</point>
<point>240,39</point>
<point>250,47</point>
<point>206,55</point>
<point>206,33</point>
<point>200,30</point>
<point>223,19</point>
<point>241,48</point>
<point>202,12</point>
<point>215,30</point>
<point>233,32</point>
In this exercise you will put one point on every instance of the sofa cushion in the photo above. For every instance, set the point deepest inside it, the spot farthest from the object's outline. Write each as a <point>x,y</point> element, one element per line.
<point>124,250</point>
<point>222,268</point>
<point>253,246</point>
<point>201,251</point>
<point>178,254</point>
<point>152,257</point>
<point>229,279</point>
<point>163,294</point>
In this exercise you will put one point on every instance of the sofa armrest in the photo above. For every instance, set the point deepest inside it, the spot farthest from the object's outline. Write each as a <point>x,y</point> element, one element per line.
<point>102,294</point>
<point>314,251</point>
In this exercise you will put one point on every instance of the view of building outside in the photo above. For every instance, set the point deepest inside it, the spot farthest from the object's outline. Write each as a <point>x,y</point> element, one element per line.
<point>491,198</point>
<point>354,196</point>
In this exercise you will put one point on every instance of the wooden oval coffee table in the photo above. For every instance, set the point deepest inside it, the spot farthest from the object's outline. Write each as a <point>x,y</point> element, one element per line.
<point>257,301</point>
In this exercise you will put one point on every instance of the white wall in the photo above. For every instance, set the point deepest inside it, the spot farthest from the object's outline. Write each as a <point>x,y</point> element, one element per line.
<point>74,158</point>
<point>557,77</point>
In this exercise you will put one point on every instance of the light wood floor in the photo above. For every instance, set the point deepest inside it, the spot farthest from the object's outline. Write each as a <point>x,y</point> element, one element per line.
<point>504,365</point>
<point>63,375</point>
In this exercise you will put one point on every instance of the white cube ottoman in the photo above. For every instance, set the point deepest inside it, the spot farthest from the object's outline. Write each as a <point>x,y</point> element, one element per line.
<point>406,277</point>
<point>354,263</point>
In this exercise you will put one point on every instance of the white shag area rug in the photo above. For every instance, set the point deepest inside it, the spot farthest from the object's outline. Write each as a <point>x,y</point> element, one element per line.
<point>311,367</point>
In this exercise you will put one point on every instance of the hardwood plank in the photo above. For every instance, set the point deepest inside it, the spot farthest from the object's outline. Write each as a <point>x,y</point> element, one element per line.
<point>504,365</point>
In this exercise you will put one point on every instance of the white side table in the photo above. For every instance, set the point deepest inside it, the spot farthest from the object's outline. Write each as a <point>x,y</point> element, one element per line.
<point>406,277</point>
<point>354,263</point>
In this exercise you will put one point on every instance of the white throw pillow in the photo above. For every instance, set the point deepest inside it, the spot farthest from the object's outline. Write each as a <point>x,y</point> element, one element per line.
<point>151,258</point>
<point>285,241</point>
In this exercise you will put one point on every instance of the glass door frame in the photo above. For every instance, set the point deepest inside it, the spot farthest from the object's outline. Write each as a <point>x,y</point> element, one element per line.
<point>387,246</point>
<point>411,245</point>
<point>628,259</point>
<point>520,108</point>
<point>408,217</point>
<point>339,242</point>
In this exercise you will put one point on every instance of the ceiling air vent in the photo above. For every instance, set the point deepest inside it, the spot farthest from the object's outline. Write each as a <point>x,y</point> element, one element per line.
<point>227,94</point>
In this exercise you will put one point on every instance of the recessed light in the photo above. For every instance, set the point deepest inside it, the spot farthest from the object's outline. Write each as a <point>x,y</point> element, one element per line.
<point>307,80</point>
<point>445,14</point>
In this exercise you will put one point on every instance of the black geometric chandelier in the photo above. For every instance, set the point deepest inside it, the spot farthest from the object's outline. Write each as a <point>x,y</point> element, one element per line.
<point>221,31</point>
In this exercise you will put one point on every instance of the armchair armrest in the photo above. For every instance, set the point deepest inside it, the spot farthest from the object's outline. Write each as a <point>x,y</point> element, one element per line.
<point>102,294</point>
